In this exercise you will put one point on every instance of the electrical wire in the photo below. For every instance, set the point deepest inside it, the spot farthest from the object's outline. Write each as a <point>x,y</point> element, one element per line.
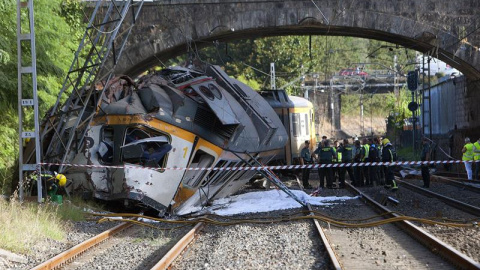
<point>320,12</point>
<point>342,223</point>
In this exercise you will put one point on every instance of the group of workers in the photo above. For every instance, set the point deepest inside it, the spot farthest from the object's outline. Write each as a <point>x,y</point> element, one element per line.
<point>369,150</point>
<point>471,154</point>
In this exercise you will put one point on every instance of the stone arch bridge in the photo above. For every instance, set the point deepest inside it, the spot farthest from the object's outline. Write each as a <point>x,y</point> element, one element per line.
<point>445,29</point>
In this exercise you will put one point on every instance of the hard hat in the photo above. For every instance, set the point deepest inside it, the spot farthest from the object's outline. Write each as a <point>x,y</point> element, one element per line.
<point>62,180</point>
<point>385,141</point>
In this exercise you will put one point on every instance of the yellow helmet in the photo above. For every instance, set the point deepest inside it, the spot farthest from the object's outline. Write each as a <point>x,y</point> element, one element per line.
<point>62,180</point>
<point>385,141</point>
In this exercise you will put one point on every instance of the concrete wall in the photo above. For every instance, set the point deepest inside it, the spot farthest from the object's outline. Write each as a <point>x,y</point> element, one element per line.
<point>455,114</point>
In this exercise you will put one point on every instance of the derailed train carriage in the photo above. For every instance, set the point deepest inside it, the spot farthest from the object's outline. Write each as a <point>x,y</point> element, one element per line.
<point>298,117</point>
<point>176,118</point>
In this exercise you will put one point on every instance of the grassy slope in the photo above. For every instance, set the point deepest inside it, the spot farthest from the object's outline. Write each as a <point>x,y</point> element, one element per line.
<point>23,224</point>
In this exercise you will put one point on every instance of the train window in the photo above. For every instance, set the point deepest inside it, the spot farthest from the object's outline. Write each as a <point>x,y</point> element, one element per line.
<point>240,175</point>
<point>200,160</point>
<point>307,125</point>
<point>296,124</point>
<point>147,148</point>
<point>206,91</point>
<point>215,91</point>
<point>213,175</point>
<point>226,174</point>
<point>105,147</point>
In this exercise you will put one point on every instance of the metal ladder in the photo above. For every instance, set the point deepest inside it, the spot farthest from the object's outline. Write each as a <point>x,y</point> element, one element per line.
<point>26,103</point>
<point>426,102</point>
<point>65,127</point>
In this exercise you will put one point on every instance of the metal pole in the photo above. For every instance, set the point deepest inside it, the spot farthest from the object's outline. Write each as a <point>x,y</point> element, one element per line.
<point>414,123</point>
<point>423,93</point>
<point>332,107</point>
<point>371,114</point>
<point>361,113</point>
<point>429,101</point>
<point>395,81</point>
<point>272,76</point>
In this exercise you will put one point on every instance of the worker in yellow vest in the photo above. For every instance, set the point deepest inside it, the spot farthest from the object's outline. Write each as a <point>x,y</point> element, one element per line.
<point>468,157</point>
<point>365,158</point>
<point>476,157</point>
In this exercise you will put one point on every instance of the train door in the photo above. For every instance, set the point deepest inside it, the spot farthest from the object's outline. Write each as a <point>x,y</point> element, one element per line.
<point>201,159</point>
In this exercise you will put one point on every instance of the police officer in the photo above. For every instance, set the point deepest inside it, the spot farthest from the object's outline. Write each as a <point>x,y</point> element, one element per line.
<point>425,156</point>
<point>467,157</point>
<point>364,151</point>
<point>346,152</point>
<point>306,159</point>
<point>326,154</point>
<point>357,158</point>
<point>373,157</point>
<point>336,160</point>
<point>381,170</point>
<point>388,156</point>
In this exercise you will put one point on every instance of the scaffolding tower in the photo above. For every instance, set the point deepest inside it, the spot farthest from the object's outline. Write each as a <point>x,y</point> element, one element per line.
<point>27,96</point>
<point>62,133</point>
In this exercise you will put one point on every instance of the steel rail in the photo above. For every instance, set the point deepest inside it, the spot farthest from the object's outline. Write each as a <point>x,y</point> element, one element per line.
<point>321,232</point>
<point>452,202</point>
<point>464,180</point>
<point>328,247</point>
<point>460,176</point>
<point>459,179</point>
<point>433,243</point>
<point>66,256</point>
<point>465,184</point>
<point>443,175</point>
<point>179,247</point>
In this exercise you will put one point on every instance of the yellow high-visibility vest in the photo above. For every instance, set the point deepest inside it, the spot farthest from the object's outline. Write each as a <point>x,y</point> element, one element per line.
<point>367,150</point>
<point>468,155</point>
<point>476,156</point>
<point>339,157</point>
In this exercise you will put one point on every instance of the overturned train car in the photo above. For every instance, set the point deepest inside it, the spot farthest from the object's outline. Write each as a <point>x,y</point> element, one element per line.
<point>176,118</point>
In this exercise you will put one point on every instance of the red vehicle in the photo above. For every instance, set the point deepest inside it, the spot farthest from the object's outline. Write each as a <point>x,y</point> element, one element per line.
<point>352,72</point>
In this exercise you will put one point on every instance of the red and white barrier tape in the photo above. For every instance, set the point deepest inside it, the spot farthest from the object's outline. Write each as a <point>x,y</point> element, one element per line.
<point>283,167</point>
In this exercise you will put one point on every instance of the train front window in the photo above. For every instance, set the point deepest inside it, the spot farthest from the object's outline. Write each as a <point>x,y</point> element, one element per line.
<point>105,147</point>
<point>146,148</point>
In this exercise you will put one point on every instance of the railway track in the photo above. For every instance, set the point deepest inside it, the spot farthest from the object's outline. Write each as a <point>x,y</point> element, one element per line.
<point>64,258</point>
<point>471,185</point>
<point>125,246</point>
<point>403,252</point>
<point>419,202</point>
<point>417,230</point>
<point>319,245</point>
<point>278,242</point>
<point>464,193</point>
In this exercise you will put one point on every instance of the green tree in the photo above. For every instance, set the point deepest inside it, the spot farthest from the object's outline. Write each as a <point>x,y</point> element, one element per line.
<point>57,28</point>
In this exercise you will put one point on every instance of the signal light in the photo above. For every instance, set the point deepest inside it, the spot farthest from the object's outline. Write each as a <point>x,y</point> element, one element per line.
<point>412,80</point>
